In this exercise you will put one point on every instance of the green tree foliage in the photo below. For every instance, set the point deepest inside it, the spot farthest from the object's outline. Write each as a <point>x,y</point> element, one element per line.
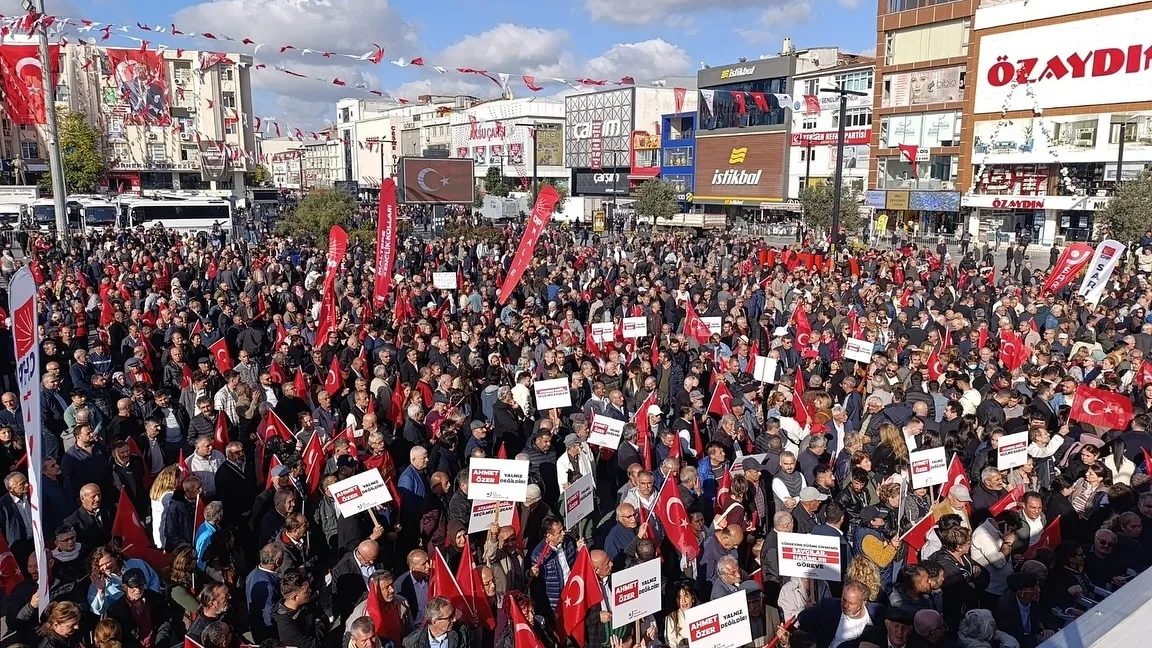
<point>318,212</point>
<point>494,183</point>
<point>561,191</point>
<point>817,202</point>
<point>656,199</point>
<point>83,157</point>
<point>258,178</point>
<point>1126,217</point>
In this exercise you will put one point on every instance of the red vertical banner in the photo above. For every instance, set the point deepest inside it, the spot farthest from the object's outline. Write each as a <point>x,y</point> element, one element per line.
<point>337,246</point>
<point>385,241</point>
<point>679,94</point>
<point>537,222</point>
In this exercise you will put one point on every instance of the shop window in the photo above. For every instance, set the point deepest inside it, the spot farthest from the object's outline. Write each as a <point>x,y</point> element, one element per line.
<point>812,86</point>
<point>188,154</point>
<point>30,150</point>
<point>726,113</point>
<point>680,156</point>
<point>161,180</point>
<point>191,181</point>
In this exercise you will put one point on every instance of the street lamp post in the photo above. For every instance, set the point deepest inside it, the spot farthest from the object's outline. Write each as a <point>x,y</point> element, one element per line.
<point>838,189</point>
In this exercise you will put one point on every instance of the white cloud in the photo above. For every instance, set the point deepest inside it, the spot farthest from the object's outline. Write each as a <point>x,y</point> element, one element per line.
<point>492,50</point>
<point>640,12</point>
<point>850,4</point>
<point>777,21</point>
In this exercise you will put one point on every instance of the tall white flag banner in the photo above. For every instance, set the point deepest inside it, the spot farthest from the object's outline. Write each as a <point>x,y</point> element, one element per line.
<point>1107,257</point>
<point>25,337</point>
<point>709,97</point>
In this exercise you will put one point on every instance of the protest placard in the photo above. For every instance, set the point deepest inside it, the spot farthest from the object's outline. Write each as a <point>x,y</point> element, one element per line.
<point>738,465</point>
<point>805,555</point>
<point>603,332</point>
<point>859,350</point>
<point>578,500</point>
<point>1012,451</point>
<point>635,327</point>
<point>497,479</point>
<point>720,623</point>
<point>360,492</point>
<point>484,514</point>
<point>929,467</point>
<point>764,369</point>
<point>635,592</point>
<point>605,432</point>
<point>444,280</point>
<point>714,324</point>
<point>552,393</point>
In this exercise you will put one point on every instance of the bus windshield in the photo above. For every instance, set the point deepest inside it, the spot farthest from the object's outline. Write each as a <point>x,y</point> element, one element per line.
<point>102,216</point>
<point>44,214</point>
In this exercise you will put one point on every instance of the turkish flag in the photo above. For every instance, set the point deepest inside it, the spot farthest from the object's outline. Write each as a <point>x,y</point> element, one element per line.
<point>581,594</point>
<point>643,432</point>
<point>723,493</point>
<point>1101,408</point>
<point>956,477</point>
<point>276,374</point>
<point>1049,539</point>
<point>275,425</point>
<point>674,517</point>
<point>1012,501</point>
<point>300,384</point>
<point>334,379</point>
<point>272,464</point>
<point>917,537</point>
<point>220,431</point>
<point>127,527</point>
<point>10,575</point>
<point>1145,375</point>
<point>348,433</point>
<point>1013,352</point>
<point>803,328</point>
<point>982,340</point>
<point>908,152</point>
<point>186,377</point>
<point>219,351</point>
<point>935,367</point>
<point>106,311</point>
<point>313,459</point>
<point>441,582</point>
<point>472,589</point>
<point>523,636</point>
<point>261,307</point>
<point>721,402</point>
<point>199,517</point>
<point>182,464</point>
<point>281,337</point>
<point>694,327</point>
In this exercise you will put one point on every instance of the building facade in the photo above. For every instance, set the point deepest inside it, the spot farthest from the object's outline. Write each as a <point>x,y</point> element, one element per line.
<point>922,51</point>
<point>1044,154</point>
<point>156,113</point>
<point>813,140</point>
<point>678,155</point>
<point>524,138</point>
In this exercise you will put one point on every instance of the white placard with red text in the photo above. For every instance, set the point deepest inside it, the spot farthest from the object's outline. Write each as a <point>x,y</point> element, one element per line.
<point>552,393</point>
<point>605,432</point>
<point>603,332</point>
<point>722,623</point>
<point>635,327</point>
<point>714,324</point>
<point>929,467</point>
<point>484,514</point>
<point>444,280</point>
<point>579,500</point>
<point>764,369</point>
<point>859,350</point>
<point>1012,451</point>
<point>805,555</point>
<point>497,479</point>
<point>635,592</point>
<point>359,493</point>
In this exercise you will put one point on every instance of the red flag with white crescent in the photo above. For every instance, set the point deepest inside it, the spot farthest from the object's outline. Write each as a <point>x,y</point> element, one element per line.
<point>1013,500</point>
<point>581,594</point>
<point>334,379</point>
<point>537,222</point>
<point>337,246</point>
<point>219,351</point>
<point>523,635</point>
<point>220,431</point>
<point>956,477</point>
<point>674,517</point>
<point>721,403</point>
<point>1072,260</point>
<point>1101,408</point>
<point>1049,538</point>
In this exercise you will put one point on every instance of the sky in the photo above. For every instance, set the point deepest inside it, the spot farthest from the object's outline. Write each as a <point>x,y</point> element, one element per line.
<point>573,39</point>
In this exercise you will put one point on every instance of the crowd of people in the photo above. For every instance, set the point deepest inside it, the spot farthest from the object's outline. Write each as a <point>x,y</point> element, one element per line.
<point>186,491</point>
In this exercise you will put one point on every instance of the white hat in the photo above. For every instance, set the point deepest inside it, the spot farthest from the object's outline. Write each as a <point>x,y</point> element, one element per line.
<point>780,331</point>
<point>654,410</point>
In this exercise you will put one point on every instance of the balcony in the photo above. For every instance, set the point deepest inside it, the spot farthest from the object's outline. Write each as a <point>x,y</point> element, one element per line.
<point>674,135</point>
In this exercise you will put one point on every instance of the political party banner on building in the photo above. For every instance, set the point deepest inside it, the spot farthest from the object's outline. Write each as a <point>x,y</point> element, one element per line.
<point>497,479</point>
<point>603,332</point>
<point>444,280</point>
<point>809,556</point>
<point>485,513</point>
<point>359,493</point>
<point>765,369</point>
<point>929,467</point>
<point>635,327</point>
<point>858,350</point>
<point>714,324</point>
<point>578,500</point>
<point>26,340</point>
<point>141,80</point>
<point>605,432</point>
<point>552,393</point>
<point>722,623</point>
<point>635,592</point>
<point>1012,451</point>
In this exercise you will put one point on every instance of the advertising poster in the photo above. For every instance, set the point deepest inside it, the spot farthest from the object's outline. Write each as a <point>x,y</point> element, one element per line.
<point>497,480</point>
<point>549,145</point>
<point>605,432</point>
<point>722,623</point>
<point>858,350</point>
<point>496,154</point>
<point>810,556</point>
<point>484,514</point>
<point>360,493</point>
<point>764,369</point>
<point>635,592</point>
<point>1013,451</point>
<point>552,393</point>
<point>922,87</point>
<point>24,93</point>
<point>635,327</point>
<point>515,153</point>
<point>929,467</point>
<point>579,500</point>
<point>142,84</point>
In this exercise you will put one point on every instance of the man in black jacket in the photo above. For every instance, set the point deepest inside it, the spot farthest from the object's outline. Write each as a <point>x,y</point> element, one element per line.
<point>297,620</point>
<point>235,486</point>
<point>1019,613</point>
<point>93,522</point>
<point>348,577</point>
<point>138,600</point>
<point>214,601</point>
<point>440,624</point>
<point>178,518</point>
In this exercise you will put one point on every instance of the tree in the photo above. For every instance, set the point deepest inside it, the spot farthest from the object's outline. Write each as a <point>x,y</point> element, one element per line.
<point>656,199</point>
<point>817,202</point>
<point>318,212</point>
<point>494,183</point>
<point>1125,219</point>
<point>82,156</point>
<point>560,191</point>
<point>258,178</point>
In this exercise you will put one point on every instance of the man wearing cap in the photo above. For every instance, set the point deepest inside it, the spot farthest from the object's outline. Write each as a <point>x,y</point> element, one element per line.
<point>896,632</point>
<point>144,615</point>
<point>1019,613</point>
<point>807,515</point>
<point>955,504</point>
<point>757,476</point>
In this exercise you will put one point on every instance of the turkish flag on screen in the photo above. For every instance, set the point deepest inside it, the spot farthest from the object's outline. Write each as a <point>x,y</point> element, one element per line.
<point>1101,408</point>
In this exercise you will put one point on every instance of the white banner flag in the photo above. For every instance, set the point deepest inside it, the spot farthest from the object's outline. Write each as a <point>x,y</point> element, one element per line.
<point>709,97</point>
<point>1107,257</point>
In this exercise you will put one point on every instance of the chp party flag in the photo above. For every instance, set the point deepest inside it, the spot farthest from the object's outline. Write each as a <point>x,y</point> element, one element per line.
<point>1107,257</point>
<point>386,235</point>
<point>1072,260</point>
<point>580,595</point>
<point>537,222</point>
<point>1101,408</point>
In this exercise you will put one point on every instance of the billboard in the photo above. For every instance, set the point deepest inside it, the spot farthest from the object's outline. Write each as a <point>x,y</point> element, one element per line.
<point>741,167</point>
<point>435,181</point>
<point>1088,62</point>
<point>24,90</point>
<point>922,87</point>
<point>286,169</point>
<point>1070,138</point>
<point>549,145</point>
<point>613,109</point>
<point>141,84</point>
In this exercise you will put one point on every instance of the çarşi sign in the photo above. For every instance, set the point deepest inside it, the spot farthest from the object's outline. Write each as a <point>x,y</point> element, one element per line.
<point>1096,61</point>
<point>590,183</point>
<point>608,128</point>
